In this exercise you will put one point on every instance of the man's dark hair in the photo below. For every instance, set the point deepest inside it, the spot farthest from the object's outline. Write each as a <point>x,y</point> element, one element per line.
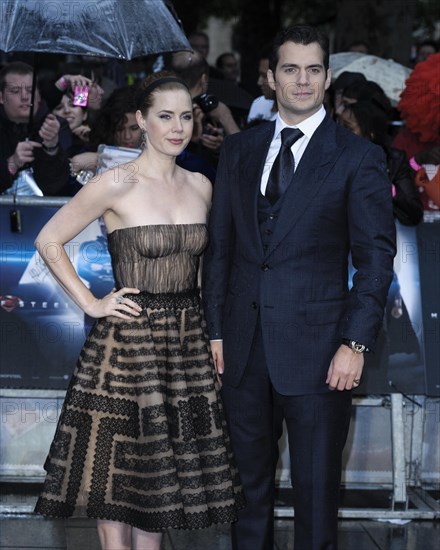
<point>221,58</point>
<point>299,34</point>
<point>190,67</point>
<point>16,67</point>
<point>431,43</point>
<point>265,52</point>
<point>200,34</point>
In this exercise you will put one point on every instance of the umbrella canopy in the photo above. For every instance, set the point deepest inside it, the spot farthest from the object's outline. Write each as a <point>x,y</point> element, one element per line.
<point>390,76</point>
<point>121,29</point>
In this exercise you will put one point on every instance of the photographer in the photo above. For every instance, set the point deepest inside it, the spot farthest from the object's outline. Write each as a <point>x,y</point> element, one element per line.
<point>212,118</point>
<point>22,147</point>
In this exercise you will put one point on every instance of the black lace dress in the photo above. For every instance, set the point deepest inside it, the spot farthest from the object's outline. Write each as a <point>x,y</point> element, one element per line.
<point>142,437</point>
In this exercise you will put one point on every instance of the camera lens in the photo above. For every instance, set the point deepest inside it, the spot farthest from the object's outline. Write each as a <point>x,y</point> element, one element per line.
<point>207,102</point>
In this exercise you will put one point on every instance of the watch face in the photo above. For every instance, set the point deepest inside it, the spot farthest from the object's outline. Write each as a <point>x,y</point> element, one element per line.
<point>358,348</point>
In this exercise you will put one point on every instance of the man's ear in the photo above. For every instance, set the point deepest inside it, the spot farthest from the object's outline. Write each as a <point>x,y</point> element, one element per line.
<point>328,79</point>
<point>271,79</point>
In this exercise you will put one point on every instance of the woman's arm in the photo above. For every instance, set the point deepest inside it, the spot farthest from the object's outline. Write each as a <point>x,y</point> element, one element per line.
<point>90,203</point>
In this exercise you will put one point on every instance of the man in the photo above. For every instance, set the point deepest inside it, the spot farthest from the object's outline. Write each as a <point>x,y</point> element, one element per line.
<point>208,126</point>
<point>263,107</point>
<point>199,41</point>
<point>227,64</point>
<point>287,334</point>
<point>21,147</point>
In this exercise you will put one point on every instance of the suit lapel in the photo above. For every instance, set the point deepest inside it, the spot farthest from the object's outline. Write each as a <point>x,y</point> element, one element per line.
<point>309,176</point>
<point>252,159</point>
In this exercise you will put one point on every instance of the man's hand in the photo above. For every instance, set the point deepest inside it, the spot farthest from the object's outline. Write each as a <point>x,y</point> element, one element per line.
<point>84,161</point>
<point>345,367</point>
<point>212,137</point>
<point>217,356</point>
<point>24,153</point>
<point>49,131</point>
<point>82,132</point>
<point>222,114</point>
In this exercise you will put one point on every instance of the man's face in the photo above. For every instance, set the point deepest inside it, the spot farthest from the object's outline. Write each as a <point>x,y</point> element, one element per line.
<point>300,81</point>
<point>16,97</point>
<point>266,90</point>
<point>230,68</point>
<point>200,44</point>
<point>424,52</point>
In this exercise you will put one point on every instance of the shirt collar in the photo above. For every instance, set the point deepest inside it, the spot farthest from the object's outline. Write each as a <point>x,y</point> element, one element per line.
<point>307,126</point>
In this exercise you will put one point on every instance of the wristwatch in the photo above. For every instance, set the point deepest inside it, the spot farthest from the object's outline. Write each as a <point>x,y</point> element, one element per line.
<point>355,347</point>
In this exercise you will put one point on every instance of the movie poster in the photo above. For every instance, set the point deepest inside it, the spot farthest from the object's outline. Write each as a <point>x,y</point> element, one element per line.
<point>41,329</point>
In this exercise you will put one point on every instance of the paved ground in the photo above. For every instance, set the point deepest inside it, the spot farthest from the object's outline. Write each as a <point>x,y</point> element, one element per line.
<point>25,531</point>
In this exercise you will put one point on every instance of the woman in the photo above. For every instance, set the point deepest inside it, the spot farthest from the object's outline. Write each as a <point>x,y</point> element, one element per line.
<point>76,117</point>
<point>141,443</point>
<point>115,125</point>
<point>116,122</point>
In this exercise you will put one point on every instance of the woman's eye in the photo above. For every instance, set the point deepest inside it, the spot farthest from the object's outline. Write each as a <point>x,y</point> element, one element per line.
<point>187,117</point>
<point>134,128</point>
<point>166,117</point>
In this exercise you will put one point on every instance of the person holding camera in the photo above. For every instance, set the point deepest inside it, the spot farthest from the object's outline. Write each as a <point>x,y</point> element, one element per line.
<point>212,118</point>
<point>22,147</point>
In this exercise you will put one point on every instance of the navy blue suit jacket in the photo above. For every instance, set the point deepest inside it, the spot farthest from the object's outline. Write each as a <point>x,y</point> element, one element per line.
<point>339,201</point>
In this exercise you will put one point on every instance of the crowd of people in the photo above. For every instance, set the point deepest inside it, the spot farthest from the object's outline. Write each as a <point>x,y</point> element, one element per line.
<point>171,420</point>
<point>60,150</point>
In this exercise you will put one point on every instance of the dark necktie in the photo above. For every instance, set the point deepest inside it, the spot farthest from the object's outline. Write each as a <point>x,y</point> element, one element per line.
<point>283,166</point>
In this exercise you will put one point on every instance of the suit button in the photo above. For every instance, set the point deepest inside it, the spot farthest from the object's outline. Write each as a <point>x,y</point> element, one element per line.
<point>265,267</point>
<point>272,217</point>
<point>268,232</point>
<point>254,305</point>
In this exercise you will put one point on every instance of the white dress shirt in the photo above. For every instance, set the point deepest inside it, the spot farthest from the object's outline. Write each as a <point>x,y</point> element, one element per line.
<point>307,127</point>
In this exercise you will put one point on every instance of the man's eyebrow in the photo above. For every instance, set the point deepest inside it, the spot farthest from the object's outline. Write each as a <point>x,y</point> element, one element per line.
<point>294,65</point>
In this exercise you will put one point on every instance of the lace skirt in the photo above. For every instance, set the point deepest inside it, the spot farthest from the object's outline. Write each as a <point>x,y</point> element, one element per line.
<point>142,437</point>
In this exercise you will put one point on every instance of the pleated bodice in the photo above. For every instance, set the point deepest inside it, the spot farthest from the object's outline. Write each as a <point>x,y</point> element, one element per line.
<point>157,258</point>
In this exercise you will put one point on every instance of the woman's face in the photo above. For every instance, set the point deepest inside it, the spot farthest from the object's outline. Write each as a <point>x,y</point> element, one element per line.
<point>169,121</point>
<point>74,115</point>
<point>348,120</point>
<point>127,133</point>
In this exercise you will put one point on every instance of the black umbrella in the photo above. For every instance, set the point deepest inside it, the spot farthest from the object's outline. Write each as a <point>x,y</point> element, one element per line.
<point>121,29</point>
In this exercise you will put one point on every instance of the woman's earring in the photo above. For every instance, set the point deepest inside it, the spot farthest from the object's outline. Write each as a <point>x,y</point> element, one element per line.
<point>143,138</point>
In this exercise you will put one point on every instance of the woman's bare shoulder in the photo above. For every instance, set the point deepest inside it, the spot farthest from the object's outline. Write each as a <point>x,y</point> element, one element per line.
<point>120,179</point>
<point>200,183</point>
